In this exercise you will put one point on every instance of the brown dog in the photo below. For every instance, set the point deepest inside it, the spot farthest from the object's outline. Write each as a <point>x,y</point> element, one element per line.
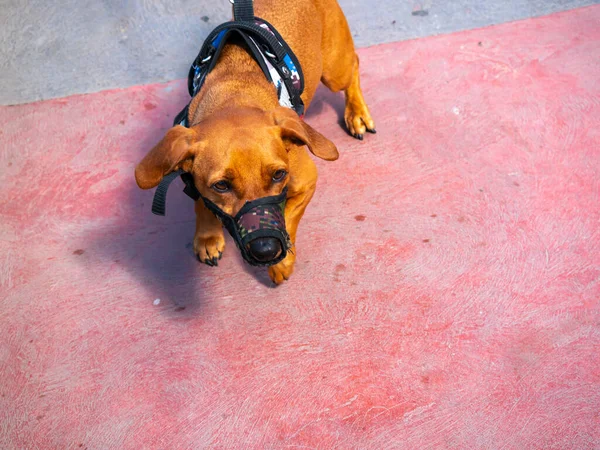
<point>241,145</point>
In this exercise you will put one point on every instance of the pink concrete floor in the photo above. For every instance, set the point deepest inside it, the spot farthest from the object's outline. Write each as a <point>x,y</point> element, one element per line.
<point>446,293</point>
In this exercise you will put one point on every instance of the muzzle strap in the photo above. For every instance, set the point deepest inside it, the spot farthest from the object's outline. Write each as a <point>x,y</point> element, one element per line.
<point>160,195</point>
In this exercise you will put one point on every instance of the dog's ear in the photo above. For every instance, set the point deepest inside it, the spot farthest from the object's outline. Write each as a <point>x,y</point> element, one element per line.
<point>294,128</point>
<point>175,151</point>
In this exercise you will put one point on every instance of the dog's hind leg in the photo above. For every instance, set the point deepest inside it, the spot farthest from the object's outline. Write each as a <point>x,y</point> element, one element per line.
<point>340,70</point>
<point>357,116</point>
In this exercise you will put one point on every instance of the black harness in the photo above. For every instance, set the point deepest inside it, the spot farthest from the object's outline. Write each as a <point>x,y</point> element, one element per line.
<point>274,56</point>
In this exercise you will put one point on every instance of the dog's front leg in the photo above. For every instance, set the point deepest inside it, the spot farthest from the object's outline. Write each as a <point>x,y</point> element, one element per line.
<point>294,209</point>
<point>209,241</point>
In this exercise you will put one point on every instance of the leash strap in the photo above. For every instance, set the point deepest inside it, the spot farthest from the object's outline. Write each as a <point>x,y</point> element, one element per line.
<point>243,10</point>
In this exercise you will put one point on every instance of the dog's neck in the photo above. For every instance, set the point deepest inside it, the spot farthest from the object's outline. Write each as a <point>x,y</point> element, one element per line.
<point>236,81</point>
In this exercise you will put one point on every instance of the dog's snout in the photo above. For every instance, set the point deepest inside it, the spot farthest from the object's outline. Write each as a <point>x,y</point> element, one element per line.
<point>265,249</point>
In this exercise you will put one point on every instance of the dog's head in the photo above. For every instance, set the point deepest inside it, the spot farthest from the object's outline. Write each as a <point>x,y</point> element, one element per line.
<point>236,156</point>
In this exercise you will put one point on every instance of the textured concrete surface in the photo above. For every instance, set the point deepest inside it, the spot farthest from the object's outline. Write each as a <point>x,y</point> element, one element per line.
<point>446,292</point>
<point>54,49</point>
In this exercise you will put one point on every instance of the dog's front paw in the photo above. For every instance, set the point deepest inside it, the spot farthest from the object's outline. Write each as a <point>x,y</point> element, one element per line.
<point>209,249</point>
<point>358,119</point>
<point>283,269</point>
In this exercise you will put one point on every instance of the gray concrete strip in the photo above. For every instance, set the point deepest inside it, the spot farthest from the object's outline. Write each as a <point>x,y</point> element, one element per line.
<point>55,49</point>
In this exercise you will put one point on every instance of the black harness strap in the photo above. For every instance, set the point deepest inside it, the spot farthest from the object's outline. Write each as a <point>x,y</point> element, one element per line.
<point>209,53</point>
<point>261,39</point>
<point>247,39</point>
<point>160,195</point>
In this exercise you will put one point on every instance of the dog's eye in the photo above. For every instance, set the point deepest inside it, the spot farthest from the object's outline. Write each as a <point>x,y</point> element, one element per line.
<point>221,186</point>
<point>279,175</point>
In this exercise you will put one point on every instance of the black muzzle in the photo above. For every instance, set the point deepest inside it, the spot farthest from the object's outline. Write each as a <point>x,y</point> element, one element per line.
<point>258,229</point>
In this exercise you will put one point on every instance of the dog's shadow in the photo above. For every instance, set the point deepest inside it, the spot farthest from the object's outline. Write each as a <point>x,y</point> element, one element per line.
<point>155,252</point>
<point>325,98</point>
